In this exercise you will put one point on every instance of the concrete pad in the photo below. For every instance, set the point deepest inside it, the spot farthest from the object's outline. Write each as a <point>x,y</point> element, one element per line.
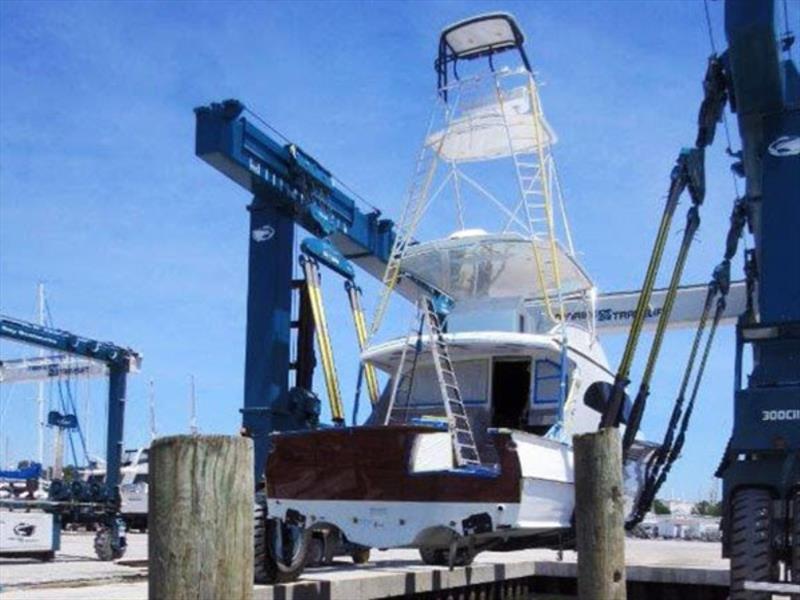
<point>76,573</point>
<point>76,562</point>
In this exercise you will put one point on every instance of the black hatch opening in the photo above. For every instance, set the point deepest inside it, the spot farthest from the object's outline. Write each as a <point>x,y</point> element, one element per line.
<point>511,384</point>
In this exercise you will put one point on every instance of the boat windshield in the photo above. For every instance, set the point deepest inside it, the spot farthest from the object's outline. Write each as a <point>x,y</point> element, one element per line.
<point>493,267</point>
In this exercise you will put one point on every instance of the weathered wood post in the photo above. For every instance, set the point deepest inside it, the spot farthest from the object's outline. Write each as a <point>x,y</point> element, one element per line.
<point>201,518</point>
<point>600,515</point>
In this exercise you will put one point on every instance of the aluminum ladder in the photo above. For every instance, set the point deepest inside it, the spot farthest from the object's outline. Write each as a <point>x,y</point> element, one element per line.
<point>466,451</point>
<point>533,168</point>
<point>416,204</point>
<point>403,380</point>
<point>457,420</point>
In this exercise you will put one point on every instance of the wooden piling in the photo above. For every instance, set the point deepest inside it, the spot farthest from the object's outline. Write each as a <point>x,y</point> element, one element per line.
<point>600,515</point>
<point>201,518</point>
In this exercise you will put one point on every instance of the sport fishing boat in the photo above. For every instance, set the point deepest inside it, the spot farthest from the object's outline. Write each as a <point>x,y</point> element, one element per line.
<point>469,446</point>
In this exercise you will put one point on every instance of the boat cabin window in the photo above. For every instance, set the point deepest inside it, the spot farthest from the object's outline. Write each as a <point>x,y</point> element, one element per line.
<point>545,395</point>
<point>473,381</point>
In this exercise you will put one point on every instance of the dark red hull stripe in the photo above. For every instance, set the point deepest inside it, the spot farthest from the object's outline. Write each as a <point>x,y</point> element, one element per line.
<point>371,463</point>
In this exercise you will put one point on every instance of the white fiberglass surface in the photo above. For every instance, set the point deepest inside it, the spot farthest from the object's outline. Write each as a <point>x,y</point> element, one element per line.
<point>546,504</point>
<point>464,346</point>
<point>432,452</point>
<point>487,129</point>
<point>381,524</point>
<point>541,458</point>
<point>492,267</point>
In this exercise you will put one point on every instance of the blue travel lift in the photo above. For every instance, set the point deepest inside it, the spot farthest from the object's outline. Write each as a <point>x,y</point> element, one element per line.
<point>760,470</point>
<point>100,502</point>
<point>290,187</point>
<point>761,467</point>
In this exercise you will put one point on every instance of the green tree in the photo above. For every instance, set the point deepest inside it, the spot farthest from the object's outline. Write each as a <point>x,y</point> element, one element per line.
<point>707,508</point>
<point>660,508</point>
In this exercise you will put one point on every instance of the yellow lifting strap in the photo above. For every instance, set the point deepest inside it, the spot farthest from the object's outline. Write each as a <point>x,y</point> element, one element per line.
<point>323,338</point>
<point>354,296</point>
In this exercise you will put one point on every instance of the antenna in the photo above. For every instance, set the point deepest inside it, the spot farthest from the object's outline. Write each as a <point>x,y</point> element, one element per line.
<point>40,385</point>
<point>193,414</point>
<point>152,403</point>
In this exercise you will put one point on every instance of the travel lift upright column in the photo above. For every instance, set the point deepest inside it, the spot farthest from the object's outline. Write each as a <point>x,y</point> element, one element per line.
<point>761,469</point>
<point>269,304</point>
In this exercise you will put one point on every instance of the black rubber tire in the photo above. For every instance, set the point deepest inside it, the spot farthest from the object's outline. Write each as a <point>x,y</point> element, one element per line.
<point>433,556</point>
<point>751,548</point>
<point>260,554</point>
<point>440,557</point>
<point>361,556</point>
<point>266,569</point>
<point>316,551</point>
<point>103,548</point>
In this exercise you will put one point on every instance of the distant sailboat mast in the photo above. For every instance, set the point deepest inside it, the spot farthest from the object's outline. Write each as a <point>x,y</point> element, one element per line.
<point>193,407</point>
<point>152,408</point>
<point>40,385</point>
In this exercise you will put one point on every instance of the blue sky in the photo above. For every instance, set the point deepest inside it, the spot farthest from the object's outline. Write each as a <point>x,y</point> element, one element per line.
<point>140,242</point>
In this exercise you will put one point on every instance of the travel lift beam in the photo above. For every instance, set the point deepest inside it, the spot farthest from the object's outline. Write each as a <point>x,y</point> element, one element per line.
<point>47,368</point>
<point>119,361</point>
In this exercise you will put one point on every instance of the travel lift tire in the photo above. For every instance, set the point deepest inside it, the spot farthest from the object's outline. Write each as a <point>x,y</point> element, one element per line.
<point>104,548</point>
<point>440,557</point>
<point>360,556</point>
<point>752,557</point>
<point>326,544</point>
<point>267,567</point>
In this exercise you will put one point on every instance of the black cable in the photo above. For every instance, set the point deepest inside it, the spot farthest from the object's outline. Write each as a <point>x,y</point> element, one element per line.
<point>341,183</point>
<point>710,30</point>
<point>724,114</point>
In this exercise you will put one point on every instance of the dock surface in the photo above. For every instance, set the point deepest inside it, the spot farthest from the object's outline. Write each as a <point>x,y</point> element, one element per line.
<point>77,574</point>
